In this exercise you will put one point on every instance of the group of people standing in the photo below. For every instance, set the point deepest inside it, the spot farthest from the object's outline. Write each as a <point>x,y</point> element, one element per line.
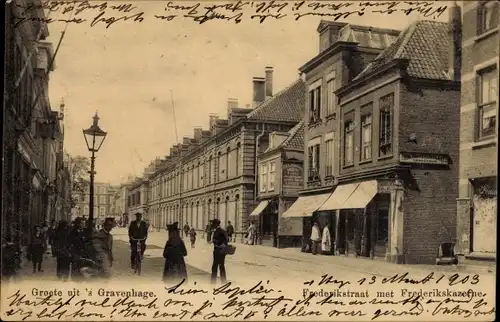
<point>69,243</point>
<point>321,242</point>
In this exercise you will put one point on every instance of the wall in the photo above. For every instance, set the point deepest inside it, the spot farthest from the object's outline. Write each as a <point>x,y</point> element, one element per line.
<point>429,208</point>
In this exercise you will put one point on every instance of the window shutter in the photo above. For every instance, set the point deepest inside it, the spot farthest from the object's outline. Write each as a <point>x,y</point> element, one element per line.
<point>317,157</point>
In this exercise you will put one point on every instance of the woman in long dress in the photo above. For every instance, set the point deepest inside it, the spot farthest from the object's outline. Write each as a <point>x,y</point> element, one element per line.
<point>174,252</point>
<point>326,242</point>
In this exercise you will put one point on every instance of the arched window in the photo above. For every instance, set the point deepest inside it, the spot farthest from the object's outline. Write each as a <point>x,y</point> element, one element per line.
<point>209,174</point>
<point>219,166</point>
<point>226,210</point>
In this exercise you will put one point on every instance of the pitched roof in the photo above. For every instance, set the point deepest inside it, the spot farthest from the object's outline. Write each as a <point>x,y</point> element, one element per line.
<point>425,45</point>
<point>295,139</point>
<point>286,105</point>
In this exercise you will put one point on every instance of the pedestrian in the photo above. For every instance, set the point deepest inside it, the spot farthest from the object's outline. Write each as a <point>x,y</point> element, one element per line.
<point>315,238</point>
<point>251,232</point>
<point>186,230</point>
<point>138,230</point>
<point>78,240</point>
<point>208,232</point>
<point>192,236</point>
<point>103,245</point>
<point>230,231</point>
<point>174,253</point>
<point>220,241</point>
<point>37,248</point>
<point>50,236</point>
<point>62,250</point>
<point>326,241</point>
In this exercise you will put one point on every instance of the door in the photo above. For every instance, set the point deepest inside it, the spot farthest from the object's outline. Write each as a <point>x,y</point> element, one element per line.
<point>484,225</point>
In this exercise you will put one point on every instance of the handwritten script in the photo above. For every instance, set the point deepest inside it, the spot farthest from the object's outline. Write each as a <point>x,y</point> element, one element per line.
<point>371,298</point>
<point>107,14</point>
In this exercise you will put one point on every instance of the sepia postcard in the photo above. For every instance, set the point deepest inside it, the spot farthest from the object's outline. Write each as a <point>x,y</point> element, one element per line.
<point>249,160</point>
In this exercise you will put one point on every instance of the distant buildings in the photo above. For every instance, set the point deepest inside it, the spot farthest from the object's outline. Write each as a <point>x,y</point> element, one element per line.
<point>477,202</point>
<point>103,202</point>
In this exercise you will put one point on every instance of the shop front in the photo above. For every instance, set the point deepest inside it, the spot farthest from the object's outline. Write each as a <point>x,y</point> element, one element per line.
<point>306,208</point>
<point>368,219</point>
<point>265,216</point>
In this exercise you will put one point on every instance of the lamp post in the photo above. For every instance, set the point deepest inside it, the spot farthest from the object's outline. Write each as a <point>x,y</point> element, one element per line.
<point>94,137</point>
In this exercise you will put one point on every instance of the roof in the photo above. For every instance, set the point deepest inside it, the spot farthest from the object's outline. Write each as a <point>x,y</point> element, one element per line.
<point>295,139</point>
<point>286,105</point>
<point>425,45</point>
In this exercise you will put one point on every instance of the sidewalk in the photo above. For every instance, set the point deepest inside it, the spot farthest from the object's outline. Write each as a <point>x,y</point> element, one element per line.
<point>256,260</point>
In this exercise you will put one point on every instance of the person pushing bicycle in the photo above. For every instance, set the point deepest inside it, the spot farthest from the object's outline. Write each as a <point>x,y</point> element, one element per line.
<point>137,230</point>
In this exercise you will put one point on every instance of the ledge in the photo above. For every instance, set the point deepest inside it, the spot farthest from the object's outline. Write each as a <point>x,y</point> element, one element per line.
<point>482,256</point>
<point>484,143</point>
<point>485,35</point>
<point>365,162</point>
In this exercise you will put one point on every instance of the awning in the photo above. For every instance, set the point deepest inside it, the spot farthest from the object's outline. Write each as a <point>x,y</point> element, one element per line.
<point>362,196</point>
<point>339,197</point>
<point>305,206</point>
<point>260,208</point>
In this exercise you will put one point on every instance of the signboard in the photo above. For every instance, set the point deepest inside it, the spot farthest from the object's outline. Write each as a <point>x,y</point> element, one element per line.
<point>423,158</point>
<point>292,176</point>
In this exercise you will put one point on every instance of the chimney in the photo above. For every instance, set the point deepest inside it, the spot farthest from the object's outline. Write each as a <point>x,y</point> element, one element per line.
<point>212,120</point>
<point>185,140</point>
<point>455,50</point>
<point>232,103</point>
<point>197,133</point>
<point>259,90</point>
<point>269,82</point>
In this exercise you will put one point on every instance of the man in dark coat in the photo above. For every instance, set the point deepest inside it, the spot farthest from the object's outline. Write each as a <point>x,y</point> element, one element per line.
<point>77,240</point>
<point>138,229</point>
<point>230,231</point>
<point>220,240</point>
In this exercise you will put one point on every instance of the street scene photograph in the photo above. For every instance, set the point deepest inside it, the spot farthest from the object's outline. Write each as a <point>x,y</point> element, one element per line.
<point>249,160</point>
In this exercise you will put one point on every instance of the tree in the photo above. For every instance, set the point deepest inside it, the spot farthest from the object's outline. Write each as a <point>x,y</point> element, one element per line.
<point>79,168</point>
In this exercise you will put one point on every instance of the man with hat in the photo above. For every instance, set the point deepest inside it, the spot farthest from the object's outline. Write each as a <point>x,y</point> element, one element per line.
<point>138,229</point>
<point>220,240</point>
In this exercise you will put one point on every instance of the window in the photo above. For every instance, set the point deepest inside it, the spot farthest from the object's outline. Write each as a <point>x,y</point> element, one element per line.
<point>487,16</point>
<point>228,162</point>
<point>366,137</point>
<point>329,157</point>
<point>330,97</point>
<point>237,161</point>
<point>103,199</point>
<point>272,175</point>
<point>348,143</point>
<point>313,161</point>
<point>102,212</point>
<point>202,173</point>
<point>198,179</point>
<point>488,96</point>
<point>386,111</point>
<point>263,178</point>
<point>209,169</point>
<point>191,173</point>
<point>221,169</point>
<point>315,104</point>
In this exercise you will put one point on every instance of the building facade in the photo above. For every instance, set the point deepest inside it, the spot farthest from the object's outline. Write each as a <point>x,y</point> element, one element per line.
<point>32,132</point>
<point>280,179</point>
<point>103,201</point>
<point>213,174</point>
<point>119,205</point>
<point>477,202</point>
<point>344,51</point>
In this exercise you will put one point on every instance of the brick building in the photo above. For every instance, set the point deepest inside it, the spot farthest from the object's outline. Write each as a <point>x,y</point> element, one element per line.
<point>477,202</point>
<point>213,174</point>
<point>280,179</point>
<point>344,51</point>
<point>399,149</point>
<point>32,132</point>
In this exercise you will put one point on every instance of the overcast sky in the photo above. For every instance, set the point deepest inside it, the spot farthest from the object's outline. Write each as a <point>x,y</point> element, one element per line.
<point>126,73</point>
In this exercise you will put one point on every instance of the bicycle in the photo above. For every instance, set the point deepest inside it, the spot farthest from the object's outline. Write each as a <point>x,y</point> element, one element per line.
<point>138,255</point>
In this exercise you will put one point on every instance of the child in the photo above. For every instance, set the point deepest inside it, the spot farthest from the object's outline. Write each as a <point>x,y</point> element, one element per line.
<point>192,236</point>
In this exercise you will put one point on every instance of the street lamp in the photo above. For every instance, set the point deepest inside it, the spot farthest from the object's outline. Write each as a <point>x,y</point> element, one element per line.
<point>94,137</point>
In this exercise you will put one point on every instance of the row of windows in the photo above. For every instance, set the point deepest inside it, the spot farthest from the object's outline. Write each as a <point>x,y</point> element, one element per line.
<point>267,177</point>
<point>99,212</point>
<point>225,166</point>
<point>314,156</point>
<point>97,199</point>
